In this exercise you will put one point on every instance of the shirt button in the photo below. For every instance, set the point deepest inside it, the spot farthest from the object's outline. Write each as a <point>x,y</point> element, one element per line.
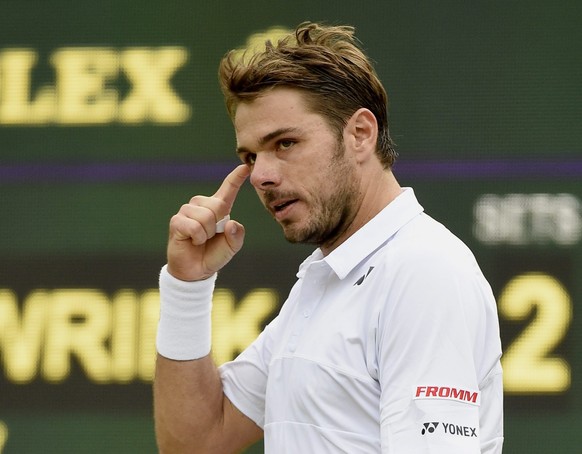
<point>306,313</point>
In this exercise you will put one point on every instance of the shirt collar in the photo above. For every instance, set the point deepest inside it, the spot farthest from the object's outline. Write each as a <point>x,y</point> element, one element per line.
<point>370,237</point>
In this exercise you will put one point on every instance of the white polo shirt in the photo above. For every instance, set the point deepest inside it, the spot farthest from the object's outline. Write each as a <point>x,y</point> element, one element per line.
<point>389,344</point>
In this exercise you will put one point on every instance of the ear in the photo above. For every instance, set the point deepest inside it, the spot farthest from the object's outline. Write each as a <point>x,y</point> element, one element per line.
<point>361,134</point>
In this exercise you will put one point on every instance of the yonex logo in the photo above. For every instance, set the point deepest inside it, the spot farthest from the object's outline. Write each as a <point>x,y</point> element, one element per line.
<point>448,429</point>
<point>359,281</point>
<point>429,427</point>
<point>447,392</point>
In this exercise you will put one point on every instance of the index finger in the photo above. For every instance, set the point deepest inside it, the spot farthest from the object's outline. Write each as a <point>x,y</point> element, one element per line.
<point>229,188</point>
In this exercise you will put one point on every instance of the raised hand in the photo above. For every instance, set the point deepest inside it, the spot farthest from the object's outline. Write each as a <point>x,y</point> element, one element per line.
<point>195,249</point>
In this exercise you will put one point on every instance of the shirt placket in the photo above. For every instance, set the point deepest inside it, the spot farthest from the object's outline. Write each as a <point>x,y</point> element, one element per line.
<point>310,296</point>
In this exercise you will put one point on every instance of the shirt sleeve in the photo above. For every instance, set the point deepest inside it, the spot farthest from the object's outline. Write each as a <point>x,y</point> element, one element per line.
<point>432,356</point>
<point>244,379</point>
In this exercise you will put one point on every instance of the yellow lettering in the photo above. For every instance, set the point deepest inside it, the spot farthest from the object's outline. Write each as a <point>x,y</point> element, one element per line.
<point>234,327</point>
<point>86,89</point>
<point>78,324</point>
<point>21,338</point>
<point>3,435</point>
<point>149,315</point>
<point>112,340</point>
<point>152,97</point>
<point>124,336</point>
<point>16,105</point>
<point>529,364</point>
<point>82,77</point>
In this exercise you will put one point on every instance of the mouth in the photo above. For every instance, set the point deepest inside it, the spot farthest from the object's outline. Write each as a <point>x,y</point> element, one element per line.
<point>281,208</point>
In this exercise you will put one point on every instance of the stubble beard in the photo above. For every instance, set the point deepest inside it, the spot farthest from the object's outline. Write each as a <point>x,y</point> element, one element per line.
<point>330,213</point>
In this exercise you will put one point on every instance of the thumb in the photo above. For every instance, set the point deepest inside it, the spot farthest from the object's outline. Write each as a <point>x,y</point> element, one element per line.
<point>235,235</point>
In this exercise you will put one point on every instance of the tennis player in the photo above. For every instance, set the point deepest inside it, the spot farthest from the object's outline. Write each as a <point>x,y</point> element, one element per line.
<point>389,340</point>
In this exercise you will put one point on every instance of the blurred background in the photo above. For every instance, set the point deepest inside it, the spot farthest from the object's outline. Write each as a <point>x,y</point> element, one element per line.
<point>111,117</point>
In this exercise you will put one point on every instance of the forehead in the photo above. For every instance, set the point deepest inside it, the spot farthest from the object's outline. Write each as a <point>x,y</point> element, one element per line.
<point>279,108</point>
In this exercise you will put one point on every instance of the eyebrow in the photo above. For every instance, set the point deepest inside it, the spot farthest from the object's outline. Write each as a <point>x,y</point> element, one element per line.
<point>268,137</point>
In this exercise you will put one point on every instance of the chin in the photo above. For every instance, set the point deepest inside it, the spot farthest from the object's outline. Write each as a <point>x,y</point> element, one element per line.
<point>292,234</point>
<point>302,236</point>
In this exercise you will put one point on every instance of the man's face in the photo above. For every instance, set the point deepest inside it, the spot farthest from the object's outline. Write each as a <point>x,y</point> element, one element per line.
<point>300,170</point>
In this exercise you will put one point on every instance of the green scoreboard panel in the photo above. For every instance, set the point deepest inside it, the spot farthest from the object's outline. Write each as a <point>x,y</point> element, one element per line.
<point>111,118</point>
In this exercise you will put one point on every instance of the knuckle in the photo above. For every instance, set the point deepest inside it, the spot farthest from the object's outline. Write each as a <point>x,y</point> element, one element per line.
<point>197,200</point>
<point>175,221</point>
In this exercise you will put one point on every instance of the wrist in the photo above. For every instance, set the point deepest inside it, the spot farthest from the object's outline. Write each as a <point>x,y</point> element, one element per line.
<point>184,329</point>
<point>185,274</point>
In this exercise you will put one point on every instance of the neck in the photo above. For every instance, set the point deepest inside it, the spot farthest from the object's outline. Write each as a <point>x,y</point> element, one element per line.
<point>377,191</point>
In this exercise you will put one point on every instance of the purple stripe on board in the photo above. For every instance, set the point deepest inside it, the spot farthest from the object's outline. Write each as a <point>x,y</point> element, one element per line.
<point>502,169</point>
<point>152,172</point>
<point>114,172</point>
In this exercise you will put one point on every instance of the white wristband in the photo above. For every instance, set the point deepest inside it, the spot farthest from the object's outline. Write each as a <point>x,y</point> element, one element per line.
<point>185,307</point>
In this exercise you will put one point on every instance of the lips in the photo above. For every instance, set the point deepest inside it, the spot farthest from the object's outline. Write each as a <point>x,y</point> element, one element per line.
<point>282,205</point>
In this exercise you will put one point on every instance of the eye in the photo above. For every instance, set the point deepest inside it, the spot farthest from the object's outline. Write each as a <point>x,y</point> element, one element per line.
<point>249,158</point>
<point>285,144</point>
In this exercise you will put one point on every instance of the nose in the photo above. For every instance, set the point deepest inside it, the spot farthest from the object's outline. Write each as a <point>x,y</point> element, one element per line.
<point>265,171</point>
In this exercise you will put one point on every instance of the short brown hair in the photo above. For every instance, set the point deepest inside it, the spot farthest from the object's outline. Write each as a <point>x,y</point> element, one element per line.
<point>324,61</point>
